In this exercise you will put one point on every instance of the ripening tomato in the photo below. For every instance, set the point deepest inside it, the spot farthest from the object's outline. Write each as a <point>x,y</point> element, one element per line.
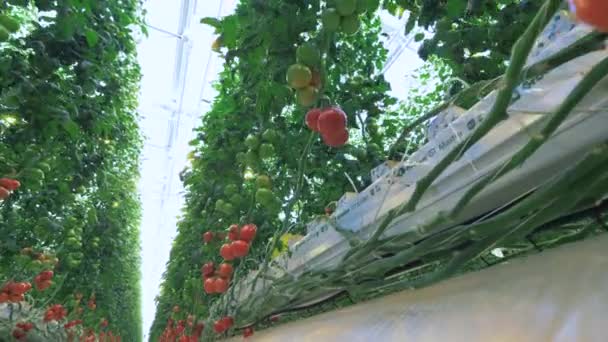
<point>209,285</point>
<point>248,232</point>
<point>227,252</point>
<point>312,119</point>
<point>4,193</point>
<point>208,269</point>
<point>332,120</point>
<point>233,232</point>
<point>225,270</point>
<point>248,332</point>
<point>220,285</point>
<point>218,327</point>
<point>46,275</point>
<point>336,139</point>
<point>593,12</point>
<point>240,248</point>
<point>19,334</point>
<point>9,184</point>
<point>207,237</point>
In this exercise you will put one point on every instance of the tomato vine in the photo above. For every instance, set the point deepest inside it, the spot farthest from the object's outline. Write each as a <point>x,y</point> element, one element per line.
<point>68,133</point>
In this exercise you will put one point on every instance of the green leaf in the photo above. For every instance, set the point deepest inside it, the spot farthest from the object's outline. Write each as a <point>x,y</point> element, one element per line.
<point>411,23</point>
<point>418,37</point>
<point>456,8</point>
<point>214,22</point>
<point>72,128</point>
<point>92,37</point>
<point>230,28</point>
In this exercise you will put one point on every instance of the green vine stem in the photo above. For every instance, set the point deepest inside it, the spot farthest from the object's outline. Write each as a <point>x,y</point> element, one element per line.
<point>597,73</point>
<point>500,227</point>
<point>521,50</point>
<point>591,42</point>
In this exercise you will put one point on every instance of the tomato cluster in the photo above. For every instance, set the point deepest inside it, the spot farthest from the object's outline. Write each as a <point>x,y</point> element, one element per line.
<point>173,331</point>
<point>331,123</point>
<point>14,292</point>
<point>216,282</point>
<point>72,323</point>
<point>21,330</point>
<point>240,240</point>
<point>305,76</point>
<point>44,280</point>
<point>55,313</point>
<point>344,15</point>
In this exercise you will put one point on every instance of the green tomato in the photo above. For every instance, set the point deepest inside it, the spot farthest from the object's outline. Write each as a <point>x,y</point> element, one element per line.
<point>230,189</point>
<point>236,200</point>
<point>346,7</point>
<point>308,54</point>
<point>263,182</point>
<point>72,243</point>
<point>307,96</point>
<point>270,135</point>
<point>265,197</point>
<point>252,158</point>
<point>241,158</point>
<point>298,76</point>
<point>350,24</point>
<point>228,209</point>
<point>252,141</point>
<point>219,204</point>
<point>267,151</point>
<point>330,18</point>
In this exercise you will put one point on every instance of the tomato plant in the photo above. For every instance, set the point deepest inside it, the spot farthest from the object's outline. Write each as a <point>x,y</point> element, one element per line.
<point>69,150</point>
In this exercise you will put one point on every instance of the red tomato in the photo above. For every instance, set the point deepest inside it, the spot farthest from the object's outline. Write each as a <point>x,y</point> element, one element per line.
<point>16,298</point>
<point>25,326</point>
<point>220,285</point>
<point>332,120</point>
<point>43,285</point>
<point>593,12</point>
<point>248,232</point>
<point>225,270</point>
<point>335,139</point>
<point>226,251</point>
<point>233,232</point>
<point>208,269</point>
<point>20,288</point>
<point>312,119</point>
<point>207,237</point>
<point>209,285</point>
<point>228,322</point>
<point>248,332</point>
<point>4,193</point>
<point>46,275</point>
<point>240,248</point>
<point>218,327</point>
<point>10,184</point>
<point>19,334</point>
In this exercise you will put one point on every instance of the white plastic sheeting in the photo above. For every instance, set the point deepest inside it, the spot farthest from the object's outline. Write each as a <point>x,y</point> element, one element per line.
<point>559,295</point>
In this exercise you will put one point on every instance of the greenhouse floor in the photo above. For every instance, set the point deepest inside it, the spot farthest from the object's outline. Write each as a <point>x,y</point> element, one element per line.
<point>557,295</point>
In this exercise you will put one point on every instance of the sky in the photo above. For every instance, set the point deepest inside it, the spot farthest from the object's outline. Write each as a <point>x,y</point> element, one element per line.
<point>172,102</point>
